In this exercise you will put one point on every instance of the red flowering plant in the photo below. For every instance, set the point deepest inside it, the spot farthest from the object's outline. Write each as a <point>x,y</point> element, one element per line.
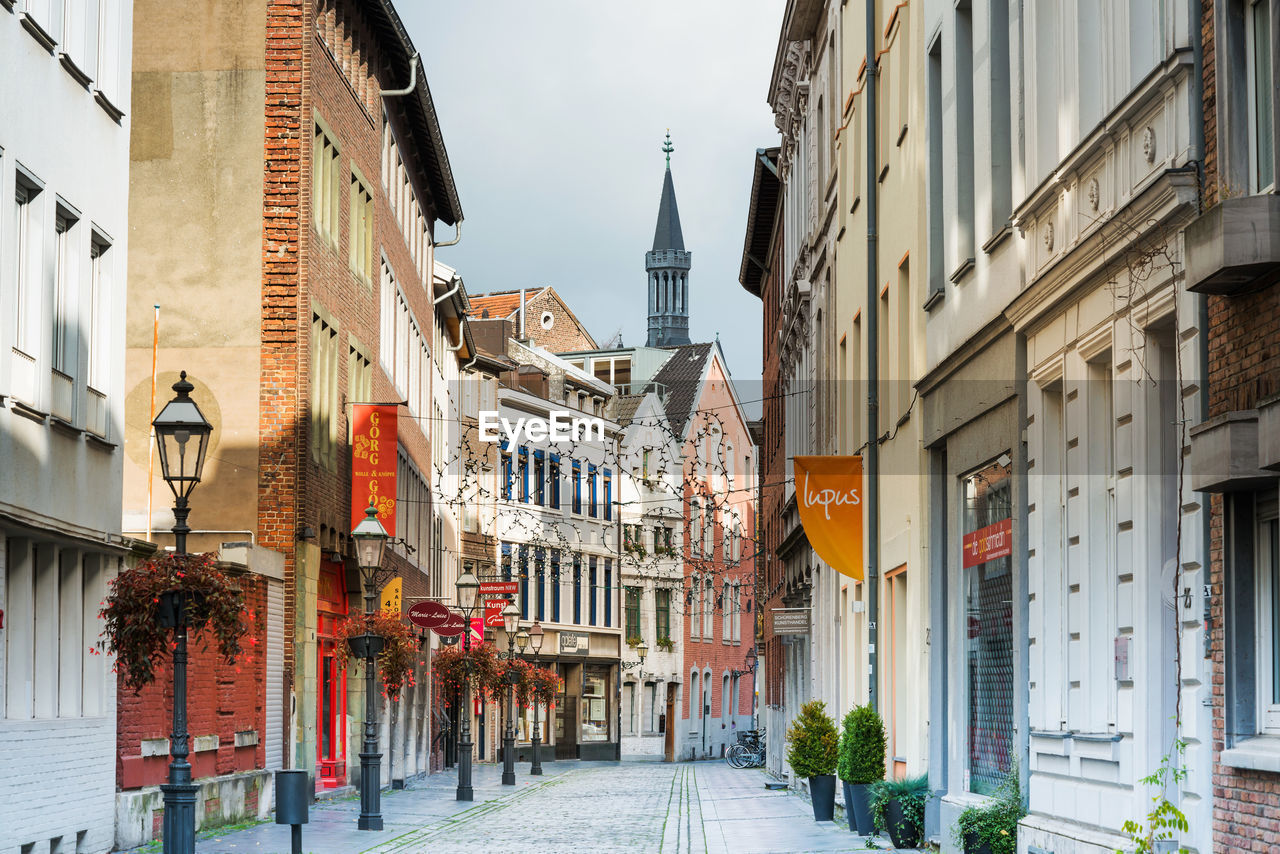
<point>132,611</point>
<point>450,668</point>
<point>399,650</point>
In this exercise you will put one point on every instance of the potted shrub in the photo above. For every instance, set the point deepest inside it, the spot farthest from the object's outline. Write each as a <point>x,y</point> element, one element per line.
<point>390,642</point>
<point>862,748</point>
<point>812,751</point>
<point>992,828</point>
<point>146,601</point>
<point>897,806</point>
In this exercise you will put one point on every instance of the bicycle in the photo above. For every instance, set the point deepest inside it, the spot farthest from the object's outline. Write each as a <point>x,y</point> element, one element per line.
<point>748,752</point>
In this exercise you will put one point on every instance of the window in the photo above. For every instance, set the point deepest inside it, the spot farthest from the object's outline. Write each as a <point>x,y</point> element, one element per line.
<point>506,561</point>
<point>595,702</point>
<point>27,272</point>
<point>506,472</point>
<point>1000,115</point>
<point>593,505</point>
<point>97,330</point>
<point>325,185</point>
<point>902,382</point>
<point>539,479</point>
<point>524,582</point>
<point>577,589</point>
<point>324,391</point>
<point>708,608</point>
<point>694,601</point>
<point>65,293</point>
<point>591,587</point>
<point>540,578</point>
<point>652,721</point>
<point>608,495</point>
<point>1261,92</point>
<point>524,474</point>
<point>988,588</point>
<point>631,613</point>
<point>553,476</point>
<point>107,79</point>
<point>1268,562</point>
<point>577,486</point>
<point>695,525</point>
<point>937,264</point>
<point>555,585</point>
<point>629,706</point>
<point>360,219</point>
<point>608,591</point>
<point>662,613</point>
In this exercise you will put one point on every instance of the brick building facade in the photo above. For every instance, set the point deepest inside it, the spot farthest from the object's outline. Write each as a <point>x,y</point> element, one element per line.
<point>287,301</point>
<point>548,321</point>
<point>1232,262</point>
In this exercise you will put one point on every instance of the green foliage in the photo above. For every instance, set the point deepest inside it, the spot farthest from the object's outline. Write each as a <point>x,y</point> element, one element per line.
<point>1164,821</point>
<point>812,741</point>
<point>910,792</point>
<point>995,823</point>
<point>131,612</point>
<point>665,644</point>
<point>634,641</point>
<point>862,746</point>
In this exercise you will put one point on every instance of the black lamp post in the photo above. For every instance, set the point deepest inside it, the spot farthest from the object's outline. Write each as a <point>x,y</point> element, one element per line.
<point>180,464</point>
<point>535,643</point>
<point>510,622</point>
<point>371,539</point>
<point>468,586</point>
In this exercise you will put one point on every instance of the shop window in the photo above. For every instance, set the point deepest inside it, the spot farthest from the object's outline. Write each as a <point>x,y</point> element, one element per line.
<point>987,562</point>
<point>595,702</point>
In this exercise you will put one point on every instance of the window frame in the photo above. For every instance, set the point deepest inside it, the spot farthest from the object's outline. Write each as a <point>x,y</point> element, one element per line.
<point>1252,92</point>
<point>1267,583</point>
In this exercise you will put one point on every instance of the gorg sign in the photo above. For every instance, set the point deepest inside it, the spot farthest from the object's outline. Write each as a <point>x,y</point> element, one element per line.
<point>829,495</point>
<point>560,426</point>
<point>373,463</point>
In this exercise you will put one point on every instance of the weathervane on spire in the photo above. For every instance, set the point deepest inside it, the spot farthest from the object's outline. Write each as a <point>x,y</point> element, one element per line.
<point>668,147</point>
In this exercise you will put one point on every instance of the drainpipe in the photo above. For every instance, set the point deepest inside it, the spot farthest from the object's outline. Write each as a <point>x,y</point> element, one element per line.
<point>457,283</point>
<point>873,375</point>
<point>413,80</point>
<point>521,335</point>
<point>457,235</point>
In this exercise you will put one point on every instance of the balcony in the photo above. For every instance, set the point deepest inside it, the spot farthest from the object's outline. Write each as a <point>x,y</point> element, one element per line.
<point>1234,247</point>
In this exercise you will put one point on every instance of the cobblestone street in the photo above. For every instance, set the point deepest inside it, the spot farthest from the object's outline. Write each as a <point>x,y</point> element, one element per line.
<point>598,806</point>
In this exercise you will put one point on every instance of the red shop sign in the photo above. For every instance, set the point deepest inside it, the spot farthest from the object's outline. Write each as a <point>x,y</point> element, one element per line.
<point>454,624</point>
<point>373,463</point>
<point>989,543</point>
<point>499,588</point>
<point>493,612</point>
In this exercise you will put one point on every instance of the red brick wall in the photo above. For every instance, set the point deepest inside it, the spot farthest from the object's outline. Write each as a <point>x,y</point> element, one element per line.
<point>773,475</point>
<point>1244,367</point>
<point>222,699</point>
<point>564,335</point>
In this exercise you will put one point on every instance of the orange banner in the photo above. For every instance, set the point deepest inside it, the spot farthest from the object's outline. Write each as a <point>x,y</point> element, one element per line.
<point>373,463</point>
<point>829,495</point>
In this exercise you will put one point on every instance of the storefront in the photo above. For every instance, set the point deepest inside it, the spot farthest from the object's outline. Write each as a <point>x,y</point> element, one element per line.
<point>582,721</point>
<point>978,610</point>
<point>331,680</point>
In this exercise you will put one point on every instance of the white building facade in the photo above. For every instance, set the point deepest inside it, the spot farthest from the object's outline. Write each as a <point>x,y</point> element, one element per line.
<point>652,518</point>
<point>64,161</point>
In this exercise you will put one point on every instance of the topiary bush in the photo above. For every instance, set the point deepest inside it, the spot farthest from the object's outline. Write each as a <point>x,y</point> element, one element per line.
<point>862,746</point>
<point>813,745</point>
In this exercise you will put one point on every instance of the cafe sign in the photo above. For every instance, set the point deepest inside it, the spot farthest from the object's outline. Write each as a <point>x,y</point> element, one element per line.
<point>574,643</point>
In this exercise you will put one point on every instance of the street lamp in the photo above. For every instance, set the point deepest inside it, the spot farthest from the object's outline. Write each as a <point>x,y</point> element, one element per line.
<point>510,622</point>
<point>180,464</point>
<point>535,643</point>
<point>371,539</point>
<point>468,586</point>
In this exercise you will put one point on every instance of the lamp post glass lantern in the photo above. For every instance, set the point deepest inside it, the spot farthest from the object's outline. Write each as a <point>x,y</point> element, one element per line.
<point>510,622</point>
<point>182,435</point>
<point>371,540</point>
<point>467,587</point>
<point>535,643</point>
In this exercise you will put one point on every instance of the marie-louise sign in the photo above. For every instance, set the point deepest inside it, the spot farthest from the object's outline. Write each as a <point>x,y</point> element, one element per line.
<point>829,495</point>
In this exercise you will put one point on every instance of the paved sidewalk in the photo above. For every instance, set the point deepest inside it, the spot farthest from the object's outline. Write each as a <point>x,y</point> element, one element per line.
<point>682,808</point>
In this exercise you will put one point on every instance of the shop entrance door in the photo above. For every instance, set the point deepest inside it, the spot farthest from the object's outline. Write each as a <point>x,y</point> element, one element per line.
<point>331,682</point>
<point>567,729</point>
<point>669,741</point>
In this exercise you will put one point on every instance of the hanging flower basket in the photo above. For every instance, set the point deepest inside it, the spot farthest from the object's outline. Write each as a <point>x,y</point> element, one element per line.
<point>387,639</point>
<point>452,666</point>
<point>145,602</point>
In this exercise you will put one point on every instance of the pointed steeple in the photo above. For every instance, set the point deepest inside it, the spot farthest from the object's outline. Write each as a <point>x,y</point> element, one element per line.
<point>667,267</point>
<point>667,234</point>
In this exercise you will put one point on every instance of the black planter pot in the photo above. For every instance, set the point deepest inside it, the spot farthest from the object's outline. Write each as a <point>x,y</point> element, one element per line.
<point>366,646</point>
<point>857,807</point>
<point>822,789</point>
<point>902,832</point>
<point>174,608</point>
<point>973,845</point>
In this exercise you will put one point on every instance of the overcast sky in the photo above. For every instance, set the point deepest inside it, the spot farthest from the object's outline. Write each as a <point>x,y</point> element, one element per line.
<point>554,111</point>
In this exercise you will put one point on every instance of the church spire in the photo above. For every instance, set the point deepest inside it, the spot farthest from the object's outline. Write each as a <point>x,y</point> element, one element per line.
<point>667,266</point>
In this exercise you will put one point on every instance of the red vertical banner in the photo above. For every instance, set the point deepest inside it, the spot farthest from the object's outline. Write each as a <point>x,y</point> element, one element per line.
<point>373,463</point>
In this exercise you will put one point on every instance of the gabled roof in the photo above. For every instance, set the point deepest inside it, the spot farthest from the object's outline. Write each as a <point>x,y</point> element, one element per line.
<point>627,406</point>
<point>420,111</point>
<point>501,304</point>
<point>761,220</point>
<point>682,377</point>
<point>667,233</point>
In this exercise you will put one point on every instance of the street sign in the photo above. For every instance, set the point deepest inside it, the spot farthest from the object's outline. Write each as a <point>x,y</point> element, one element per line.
<point>454,625</point>
<point>428,615</point>
<point>790,621</point>
<point>493,612</point>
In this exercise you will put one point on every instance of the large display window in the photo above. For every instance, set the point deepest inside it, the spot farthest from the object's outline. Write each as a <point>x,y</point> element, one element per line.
<point>595,702</point>
<point>987,566</point>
